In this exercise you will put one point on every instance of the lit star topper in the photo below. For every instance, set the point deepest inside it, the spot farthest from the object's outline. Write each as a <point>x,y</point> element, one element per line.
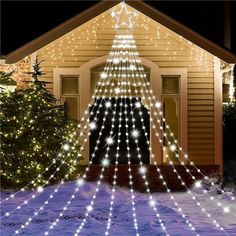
<point>123,17</point>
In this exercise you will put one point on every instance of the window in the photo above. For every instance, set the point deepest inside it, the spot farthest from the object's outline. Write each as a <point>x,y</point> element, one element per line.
<point>70,95</point>
<point>170,101</point>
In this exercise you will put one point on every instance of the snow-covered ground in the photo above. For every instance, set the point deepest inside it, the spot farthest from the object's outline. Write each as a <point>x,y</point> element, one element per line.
<point>122,221</point>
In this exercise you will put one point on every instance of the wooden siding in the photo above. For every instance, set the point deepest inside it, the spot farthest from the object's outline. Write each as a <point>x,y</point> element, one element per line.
<point>165,49</point>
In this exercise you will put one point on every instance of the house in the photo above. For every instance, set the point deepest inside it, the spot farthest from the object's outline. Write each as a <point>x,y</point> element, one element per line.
<point>186,72</point>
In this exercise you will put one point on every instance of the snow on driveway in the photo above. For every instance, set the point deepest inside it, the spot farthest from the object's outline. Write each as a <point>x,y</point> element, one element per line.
<point>122,221</point>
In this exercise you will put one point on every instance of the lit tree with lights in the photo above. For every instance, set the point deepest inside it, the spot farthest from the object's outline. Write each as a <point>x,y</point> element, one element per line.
<point>33,129</point>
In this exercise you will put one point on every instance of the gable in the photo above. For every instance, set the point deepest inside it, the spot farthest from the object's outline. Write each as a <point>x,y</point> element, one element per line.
<point>101,10</point>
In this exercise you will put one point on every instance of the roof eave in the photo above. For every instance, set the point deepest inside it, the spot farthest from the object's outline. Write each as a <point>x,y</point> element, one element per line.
<point>184,31</point>
<point>59,31</point>
<point>102,6</point>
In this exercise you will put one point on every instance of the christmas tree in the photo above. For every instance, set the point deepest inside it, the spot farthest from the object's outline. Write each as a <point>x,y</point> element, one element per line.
<point>36,135</point>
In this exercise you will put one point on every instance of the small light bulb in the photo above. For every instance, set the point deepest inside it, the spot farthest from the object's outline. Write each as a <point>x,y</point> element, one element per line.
<point>89,208</point>
<point>173,148</point>
<point>135,133</point>
<point>105,162</point>
<point>142,170</point>
<point>108,104</point>
<point>137,104</point>
<point>109,140</point>
<point>157,104</point>
<point>80,182</point>
<point>40,189</point>
<point>226,210</point>
<point>103,75</point>
<point>198,184</point>
<point>152,203</point>
<point>92,126</point>
<point>66,147</point>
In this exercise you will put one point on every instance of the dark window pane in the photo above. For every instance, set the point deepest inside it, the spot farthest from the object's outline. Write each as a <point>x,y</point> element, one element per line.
<point>69,85</point>
<point>170,85</point>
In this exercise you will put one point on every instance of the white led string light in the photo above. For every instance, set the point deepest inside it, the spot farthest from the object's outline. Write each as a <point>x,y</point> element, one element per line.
<point>151,96</point>
<point>193,197</point>
<point>188,222</point>
<point>33,195</point>
<point>135,222</point>
<point>56,191</point>
<point>134,215</point>
<point>188,190</point>
<point>143,75</point>
<point>87,169</point>
<point>81,134</point>
<point>152,202</point>
<point>225,209</point>
<point>112,198</point>
<point>105,163</point>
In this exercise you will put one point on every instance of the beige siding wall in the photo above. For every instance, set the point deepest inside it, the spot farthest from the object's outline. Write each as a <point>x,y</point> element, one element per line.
<point>162,47</point>
<point>20,70</point>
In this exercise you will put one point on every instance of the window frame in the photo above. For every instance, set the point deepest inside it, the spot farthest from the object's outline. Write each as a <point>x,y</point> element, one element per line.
<point>58,75</point>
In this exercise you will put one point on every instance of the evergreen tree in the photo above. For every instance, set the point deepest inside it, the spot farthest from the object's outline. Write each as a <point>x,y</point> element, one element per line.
<point>34,130</point>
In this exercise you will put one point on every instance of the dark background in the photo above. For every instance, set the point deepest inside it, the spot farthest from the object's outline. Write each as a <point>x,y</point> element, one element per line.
<point>22,21</point>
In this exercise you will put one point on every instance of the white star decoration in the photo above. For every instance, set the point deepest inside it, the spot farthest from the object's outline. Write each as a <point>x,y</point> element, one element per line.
<point>123,17</point>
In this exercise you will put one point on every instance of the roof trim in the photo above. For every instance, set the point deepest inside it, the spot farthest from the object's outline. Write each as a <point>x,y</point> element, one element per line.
<point>98,9</point>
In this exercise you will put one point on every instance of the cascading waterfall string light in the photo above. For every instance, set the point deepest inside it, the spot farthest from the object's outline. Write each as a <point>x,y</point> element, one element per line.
<point>105,163</point>
<point>193,197</point>
<point>157,104</point>
<point>87,169</point>
<point>225,209</point>
<point>143,170</point>
<point>134,215</point>
<point>135,221</point>
<point>112,198</point>
<point>93,101</point>
<point>189,191</point>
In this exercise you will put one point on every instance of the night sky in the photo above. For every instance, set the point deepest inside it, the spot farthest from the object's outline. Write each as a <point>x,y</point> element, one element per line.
<point>204,17</point>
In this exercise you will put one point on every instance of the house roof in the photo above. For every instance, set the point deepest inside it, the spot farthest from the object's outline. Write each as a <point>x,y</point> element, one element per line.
<point>103,6</point>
